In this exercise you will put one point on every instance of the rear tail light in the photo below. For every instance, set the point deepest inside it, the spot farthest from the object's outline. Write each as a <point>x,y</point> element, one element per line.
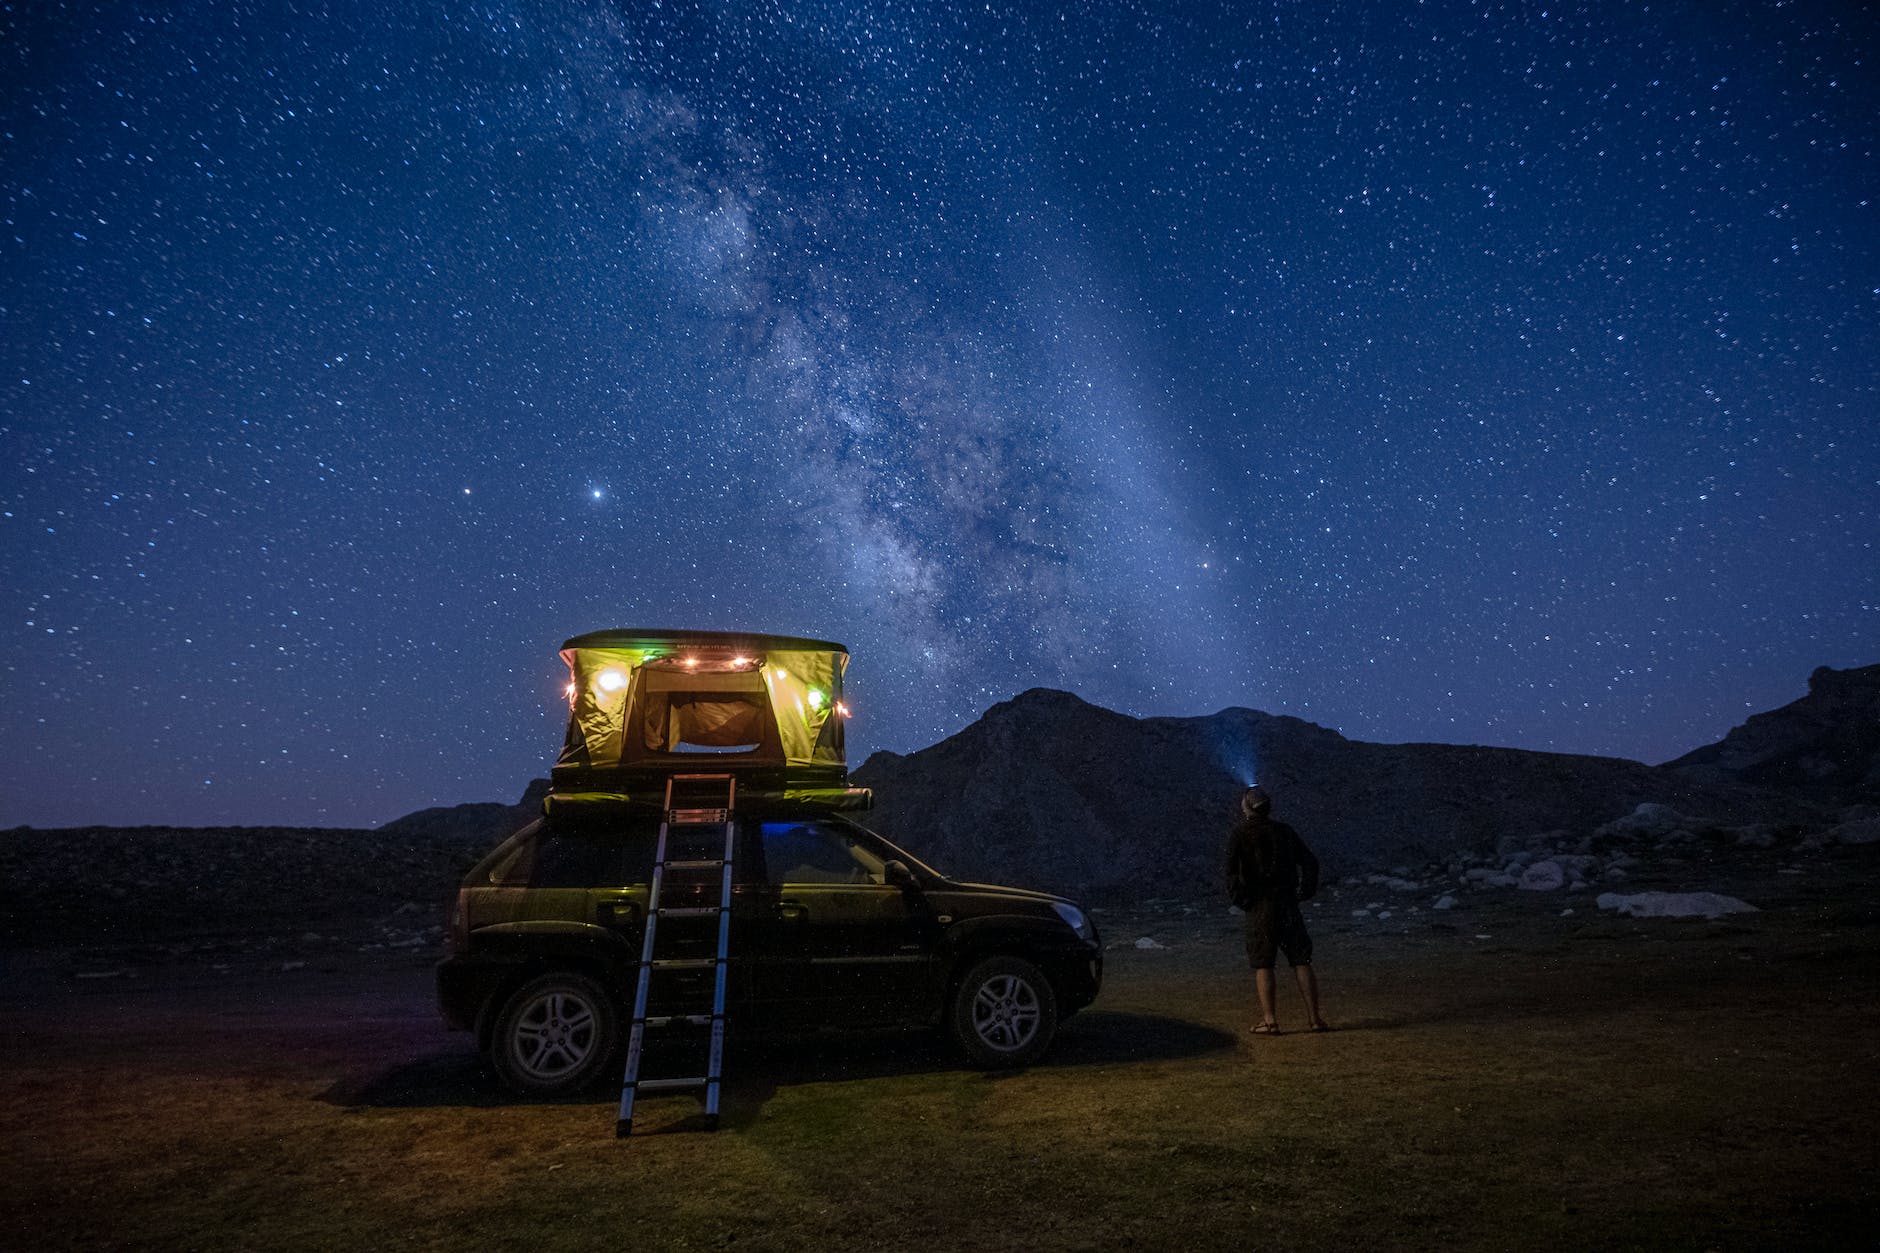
<point>460,922</point>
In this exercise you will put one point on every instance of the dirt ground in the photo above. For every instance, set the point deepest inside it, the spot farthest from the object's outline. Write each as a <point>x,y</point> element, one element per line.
<point>1503,1076</point>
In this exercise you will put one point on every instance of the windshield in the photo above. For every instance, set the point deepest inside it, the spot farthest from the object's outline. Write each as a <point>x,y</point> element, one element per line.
<point>895,850</point>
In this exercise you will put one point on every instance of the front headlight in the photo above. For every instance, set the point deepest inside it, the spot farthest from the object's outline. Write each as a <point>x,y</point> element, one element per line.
<point>1074,917</point>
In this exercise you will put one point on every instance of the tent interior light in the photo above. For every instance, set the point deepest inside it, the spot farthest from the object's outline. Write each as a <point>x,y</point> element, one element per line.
<point>691,663</point>
<point>816,698</point>
<point>611,681</point>
<point>741,662</point>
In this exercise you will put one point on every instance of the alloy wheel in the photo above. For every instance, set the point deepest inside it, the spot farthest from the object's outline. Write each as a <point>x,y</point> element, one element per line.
<point>1006,1013</point>
<point>553,1035</point>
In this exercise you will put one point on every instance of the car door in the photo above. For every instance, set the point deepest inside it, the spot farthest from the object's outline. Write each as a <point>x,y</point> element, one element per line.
<point>841,945</point>
<point>681,936</point>
<point>768,942</point>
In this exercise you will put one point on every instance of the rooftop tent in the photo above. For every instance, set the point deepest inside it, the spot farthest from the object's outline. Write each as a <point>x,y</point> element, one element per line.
<point>656,700</point>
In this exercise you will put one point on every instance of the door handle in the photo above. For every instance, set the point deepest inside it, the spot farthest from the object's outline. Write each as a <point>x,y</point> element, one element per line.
<point>619,913</point>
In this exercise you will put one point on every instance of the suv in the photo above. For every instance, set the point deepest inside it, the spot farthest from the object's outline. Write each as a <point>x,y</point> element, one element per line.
<point>832,927</point>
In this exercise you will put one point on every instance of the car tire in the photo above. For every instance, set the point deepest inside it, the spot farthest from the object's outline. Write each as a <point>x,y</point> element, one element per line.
<point>1004,1013</point>
<point>556,1034</point>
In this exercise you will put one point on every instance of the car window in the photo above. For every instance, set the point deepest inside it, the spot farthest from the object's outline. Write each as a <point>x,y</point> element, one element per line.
<point>893,849</point>
<point>565,860</point>
<point>590,857</point>
<point>512,871</point>
<point>637,846</point>
<point>817,852</point>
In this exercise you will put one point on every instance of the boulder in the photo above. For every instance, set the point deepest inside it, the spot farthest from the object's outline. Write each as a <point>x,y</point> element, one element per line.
<point>1647,822</point>
<point>1674,904</point>
<point>1862,831</point>
<point>1543,876</point>
<point>1755,835</point>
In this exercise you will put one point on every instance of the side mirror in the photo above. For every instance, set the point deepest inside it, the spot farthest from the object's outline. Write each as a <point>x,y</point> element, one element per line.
<point>898,875</point>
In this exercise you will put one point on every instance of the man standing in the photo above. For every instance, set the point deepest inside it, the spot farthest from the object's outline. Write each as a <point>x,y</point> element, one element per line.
<point>1269,871</point>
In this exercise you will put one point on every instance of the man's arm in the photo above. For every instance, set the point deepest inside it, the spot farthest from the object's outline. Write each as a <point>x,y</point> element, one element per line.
<point>1308,870</point>
<point>1231,870</point>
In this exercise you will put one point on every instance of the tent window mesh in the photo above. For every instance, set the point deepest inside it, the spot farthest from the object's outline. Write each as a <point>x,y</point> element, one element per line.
<point>703,722</point>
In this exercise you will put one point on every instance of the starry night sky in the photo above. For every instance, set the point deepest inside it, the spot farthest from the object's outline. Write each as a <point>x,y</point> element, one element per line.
<point>1493,373</point>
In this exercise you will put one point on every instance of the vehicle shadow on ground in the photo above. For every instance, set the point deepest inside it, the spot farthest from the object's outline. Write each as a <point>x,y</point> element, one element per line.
<point>756,1071</point>
<point>1093,1038</point>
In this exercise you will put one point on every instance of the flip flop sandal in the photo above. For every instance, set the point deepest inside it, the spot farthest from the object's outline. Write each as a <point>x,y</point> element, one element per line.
<point>1265,1028</point>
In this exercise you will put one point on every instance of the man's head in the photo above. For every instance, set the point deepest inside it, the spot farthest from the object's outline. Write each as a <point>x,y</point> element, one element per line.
<point>1255,803</point>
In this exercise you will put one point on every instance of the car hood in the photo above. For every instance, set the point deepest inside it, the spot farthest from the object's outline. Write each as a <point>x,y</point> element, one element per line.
<point>996,889</point>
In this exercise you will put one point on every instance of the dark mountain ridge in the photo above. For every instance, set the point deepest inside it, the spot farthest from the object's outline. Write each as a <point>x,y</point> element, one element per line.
<point>474,820</point>
<point>1049,790</point>
<point>1825,746</point>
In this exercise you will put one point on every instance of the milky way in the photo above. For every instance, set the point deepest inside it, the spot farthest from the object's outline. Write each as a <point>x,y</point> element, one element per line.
<point>1455,371</point>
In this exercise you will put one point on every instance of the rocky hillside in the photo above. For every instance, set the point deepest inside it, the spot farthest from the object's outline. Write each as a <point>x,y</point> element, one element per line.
<point>96,883</point>
<point>1825,746</point>
<point>1047,790</point>
<point>483,822</point>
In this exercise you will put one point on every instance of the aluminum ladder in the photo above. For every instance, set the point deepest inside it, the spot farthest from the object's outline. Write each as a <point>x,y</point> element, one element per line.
<point>698,818</point>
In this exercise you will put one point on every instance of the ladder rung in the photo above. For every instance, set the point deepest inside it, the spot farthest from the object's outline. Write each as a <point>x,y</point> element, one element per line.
<point>698,817</point>
<point>688,911</point>
<point>684,963</point>
<point>677,1020</point>
<point>696,863</point>
<point>671,1085</point>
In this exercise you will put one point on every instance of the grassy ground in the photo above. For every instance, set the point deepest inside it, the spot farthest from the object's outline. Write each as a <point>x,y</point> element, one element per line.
<point>1583,1082</point>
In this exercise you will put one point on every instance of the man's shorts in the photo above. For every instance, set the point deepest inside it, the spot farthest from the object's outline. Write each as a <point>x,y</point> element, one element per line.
<point>1274,927</point>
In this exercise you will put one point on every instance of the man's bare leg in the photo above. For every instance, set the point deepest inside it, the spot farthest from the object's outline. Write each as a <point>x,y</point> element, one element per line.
<point>1309,987</point>
<point>1269,1000</point>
